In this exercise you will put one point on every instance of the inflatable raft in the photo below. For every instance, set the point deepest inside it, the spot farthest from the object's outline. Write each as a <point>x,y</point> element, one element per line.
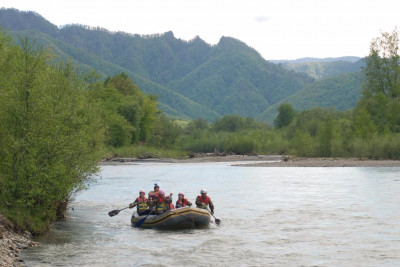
<point>181,218</point>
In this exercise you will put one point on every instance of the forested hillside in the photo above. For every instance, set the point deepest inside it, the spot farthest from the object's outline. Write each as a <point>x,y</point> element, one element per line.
<point>341,92</point>
<point>320,69</point>
<point>192,79</point>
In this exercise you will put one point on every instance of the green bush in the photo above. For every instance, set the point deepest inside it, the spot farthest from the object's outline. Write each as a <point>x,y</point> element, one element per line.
<point>135,151</point>
<point>241,145</point>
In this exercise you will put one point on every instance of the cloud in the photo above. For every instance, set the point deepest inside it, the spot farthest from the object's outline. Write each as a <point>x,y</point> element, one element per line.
<point>261,19</point>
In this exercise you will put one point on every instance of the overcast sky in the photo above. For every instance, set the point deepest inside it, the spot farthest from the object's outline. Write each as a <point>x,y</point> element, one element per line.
<point>278,29</point>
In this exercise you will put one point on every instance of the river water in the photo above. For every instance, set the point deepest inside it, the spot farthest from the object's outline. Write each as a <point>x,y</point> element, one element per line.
<point>270,216</point>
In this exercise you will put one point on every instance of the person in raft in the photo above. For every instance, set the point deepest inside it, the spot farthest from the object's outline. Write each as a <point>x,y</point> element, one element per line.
<point>155,192</point>
<point>162,203</point>
<point>141,203</point>
<point>182,201</point>
<point>203,201</point>
<point>153,195</point>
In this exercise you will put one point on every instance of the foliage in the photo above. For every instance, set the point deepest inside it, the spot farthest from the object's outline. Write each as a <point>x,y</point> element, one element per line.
<point>381,88</point>
<point>51,134</point>
<point>382,70</point>
<point>134,151</point>
<point>325,69</point>
<point>285,115</point>
<point>341,92</point>
<point>234,123</point>
<point>165,133</point>
<point>129,114</point>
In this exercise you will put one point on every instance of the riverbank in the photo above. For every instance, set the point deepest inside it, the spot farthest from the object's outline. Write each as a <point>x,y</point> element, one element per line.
<point>11,244</point>
<point>325,162</point>
<point>263,161</point>
<point>197,158</point>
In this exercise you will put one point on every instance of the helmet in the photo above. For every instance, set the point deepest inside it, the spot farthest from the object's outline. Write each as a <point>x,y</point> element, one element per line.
<point>161,192</point>
<point>181,193</point>
<point>142,191</point>
<point>203,191</point>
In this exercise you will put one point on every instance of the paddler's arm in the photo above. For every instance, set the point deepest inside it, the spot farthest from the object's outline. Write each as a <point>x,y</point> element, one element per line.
<point>198,202</point>
<point>211,205</point>
<point>133,204</point>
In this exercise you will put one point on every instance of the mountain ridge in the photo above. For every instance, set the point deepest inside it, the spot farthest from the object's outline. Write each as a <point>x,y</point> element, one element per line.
<point>193,79</point>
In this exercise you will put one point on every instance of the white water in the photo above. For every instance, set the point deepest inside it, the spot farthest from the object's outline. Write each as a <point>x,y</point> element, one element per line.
<point>269,217</point>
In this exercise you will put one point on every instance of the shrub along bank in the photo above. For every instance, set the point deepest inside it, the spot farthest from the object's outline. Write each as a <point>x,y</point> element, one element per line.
<point>51,134</point>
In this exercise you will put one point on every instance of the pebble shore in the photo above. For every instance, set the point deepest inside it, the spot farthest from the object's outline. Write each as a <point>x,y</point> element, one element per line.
<point>11,244</point>
<point>263,161</point>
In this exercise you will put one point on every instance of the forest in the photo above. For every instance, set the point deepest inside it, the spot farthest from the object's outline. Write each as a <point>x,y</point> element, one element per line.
<point>57,122</point>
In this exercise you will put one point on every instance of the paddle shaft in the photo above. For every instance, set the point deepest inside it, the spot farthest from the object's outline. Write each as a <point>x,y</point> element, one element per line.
<point>115,212</point>
<point>141,221</point>
<point>217,221</point>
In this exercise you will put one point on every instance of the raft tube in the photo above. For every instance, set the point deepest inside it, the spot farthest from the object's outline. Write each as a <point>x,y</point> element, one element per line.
<point>180,218</point>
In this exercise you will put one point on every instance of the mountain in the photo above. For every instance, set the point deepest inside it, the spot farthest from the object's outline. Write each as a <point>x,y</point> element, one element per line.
<point>341,92</point>
<point>191,78</point>
<point>313,59</point>
<point>324,68</point>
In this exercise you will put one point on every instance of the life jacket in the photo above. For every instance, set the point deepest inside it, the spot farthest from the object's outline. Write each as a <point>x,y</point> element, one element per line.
<point>161,205</point>
<point>206,201</point>
<point>142,204</point>
<point>181,203</point>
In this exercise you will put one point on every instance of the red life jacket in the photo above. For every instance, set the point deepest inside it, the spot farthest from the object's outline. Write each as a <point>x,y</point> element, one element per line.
<point>140,200</point>
<point>206,200</point>
<point>183,203</point>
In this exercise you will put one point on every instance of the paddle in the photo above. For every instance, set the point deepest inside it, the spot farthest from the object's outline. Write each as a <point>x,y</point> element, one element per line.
<point>141,221</point>
<point>115,212</point>
<point>217,221</point>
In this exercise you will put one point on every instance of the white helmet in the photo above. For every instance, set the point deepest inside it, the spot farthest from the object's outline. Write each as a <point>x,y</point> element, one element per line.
<point>203,191</point>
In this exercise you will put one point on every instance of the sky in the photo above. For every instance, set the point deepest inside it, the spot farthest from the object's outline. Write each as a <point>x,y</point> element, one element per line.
<point>277,29</point>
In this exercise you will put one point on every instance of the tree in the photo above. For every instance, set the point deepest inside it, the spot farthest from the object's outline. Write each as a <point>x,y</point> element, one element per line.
<point>285,115</point>
<point>229,123</point>
<point>50,131</point>
<point>364,127</point>
<point>382,70</point>
<point>382,86</point>
<point>197,124</point>
<point>129,114</point>
<point>165,132</point>
<point>325,136</point>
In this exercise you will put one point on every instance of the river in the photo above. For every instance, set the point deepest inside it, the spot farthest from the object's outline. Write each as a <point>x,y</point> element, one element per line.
<point>270,216</point>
